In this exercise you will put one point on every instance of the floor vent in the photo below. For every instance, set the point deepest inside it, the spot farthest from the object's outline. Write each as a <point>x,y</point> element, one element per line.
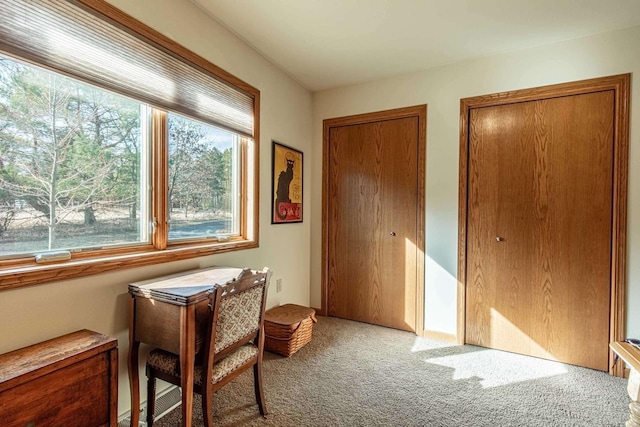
<point>166,401</point>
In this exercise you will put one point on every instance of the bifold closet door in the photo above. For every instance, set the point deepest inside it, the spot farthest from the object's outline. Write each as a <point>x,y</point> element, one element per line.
<point>372,222</point>
<point>539,226</point>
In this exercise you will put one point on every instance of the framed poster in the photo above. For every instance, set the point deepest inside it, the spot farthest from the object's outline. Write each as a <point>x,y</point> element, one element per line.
<point>286,182</point>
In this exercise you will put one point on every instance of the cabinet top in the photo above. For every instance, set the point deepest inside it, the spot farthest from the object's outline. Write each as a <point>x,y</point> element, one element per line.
<point>187,287</point>
<point>28,363</point>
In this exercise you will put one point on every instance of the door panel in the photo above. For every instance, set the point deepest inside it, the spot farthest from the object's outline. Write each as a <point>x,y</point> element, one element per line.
<point>539,228</point>
<point>372,222</point>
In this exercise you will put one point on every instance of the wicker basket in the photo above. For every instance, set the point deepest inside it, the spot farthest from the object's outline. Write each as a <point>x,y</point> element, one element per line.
<point>288,328</point>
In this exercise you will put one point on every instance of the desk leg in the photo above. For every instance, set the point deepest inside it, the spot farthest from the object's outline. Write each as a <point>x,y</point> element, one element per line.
<point>134,379</point>
<point>187,358</point>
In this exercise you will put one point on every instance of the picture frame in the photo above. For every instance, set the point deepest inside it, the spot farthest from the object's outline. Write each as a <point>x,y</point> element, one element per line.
<point>287,184</point>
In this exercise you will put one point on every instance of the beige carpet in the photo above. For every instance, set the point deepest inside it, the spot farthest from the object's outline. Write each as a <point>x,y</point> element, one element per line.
<point>355,374</point>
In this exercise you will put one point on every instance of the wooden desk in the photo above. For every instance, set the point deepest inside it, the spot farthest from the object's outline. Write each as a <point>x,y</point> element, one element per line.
<point>170,313</point>
<point>631,355</point>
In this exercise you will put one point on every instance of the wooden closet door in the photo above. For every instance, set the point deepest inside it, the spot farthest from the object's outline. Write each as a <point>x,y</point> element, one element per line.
<point>372,222</point>
<point>539,228</point>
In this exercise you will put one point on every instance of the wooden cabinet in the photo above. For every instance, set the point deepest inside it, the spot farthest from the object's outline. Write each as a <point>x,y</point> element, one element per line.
<point>71,380</point>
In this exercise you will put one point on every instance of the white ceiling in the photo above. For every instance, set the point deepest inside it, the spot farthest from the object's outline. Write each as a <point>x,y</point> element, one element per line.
<point>329,43</point>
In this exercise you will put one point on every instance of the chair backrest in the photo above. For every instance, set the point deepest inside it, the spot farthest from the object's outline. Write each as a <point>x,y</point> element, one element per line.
<point>237,312</point>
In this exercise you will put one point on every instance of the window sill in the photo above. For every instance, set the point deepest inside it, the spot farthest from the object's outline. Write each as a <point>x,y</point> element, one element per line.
<point>35,274</point>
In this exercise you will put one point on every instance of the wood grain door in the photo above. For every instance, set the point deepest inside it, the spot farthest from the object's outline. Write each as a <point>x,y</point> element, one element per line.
<point>539,227</point>
<point>373,215</point>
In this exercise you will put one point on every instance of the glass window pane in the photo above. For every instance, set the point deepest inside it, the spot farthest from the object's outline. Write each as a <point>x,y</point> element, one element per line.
<point>70,163</point>
<point>203,183</point>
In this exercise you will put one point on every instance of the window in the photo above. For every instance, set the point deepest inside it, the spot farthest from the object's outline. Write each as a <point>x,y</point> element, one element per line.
<point>116,149</point>
<point>203,186</point>
<point>70,157</point>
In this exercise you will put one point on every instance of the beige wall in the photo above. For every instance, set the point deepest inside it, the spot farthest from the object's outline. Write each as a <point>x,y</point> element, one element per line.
<point>441,89</point>
<point>100,302</point>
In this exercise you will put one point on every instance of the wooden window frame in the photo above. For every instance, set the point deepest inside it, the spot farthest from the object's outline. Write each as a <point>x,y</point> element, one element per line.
<point>24,271</point>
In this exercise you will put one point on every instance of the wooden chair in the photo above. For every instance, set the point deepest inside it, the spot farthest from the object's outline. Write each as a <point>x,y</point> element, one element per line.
<point>234,342</point>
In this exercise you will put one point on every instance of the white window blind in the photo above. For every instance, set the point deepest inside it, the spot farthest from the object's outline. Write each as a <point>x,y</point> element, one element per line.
<point>72,39</point>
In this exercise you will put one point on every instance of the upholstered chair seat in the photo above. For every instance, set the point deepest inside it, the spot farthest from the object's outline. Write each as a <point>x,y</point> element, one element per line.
<point>169,363</point>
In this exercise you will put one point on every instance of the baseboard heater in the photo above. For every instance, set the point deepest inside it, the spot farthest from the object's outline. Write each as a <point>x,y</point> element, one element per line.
<point>166,401</point>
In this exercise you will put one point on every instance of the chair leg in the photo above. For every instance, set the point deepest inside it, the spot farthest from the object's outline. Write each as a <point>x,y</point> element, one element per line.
<point>257,383</point>
<point>151,397</point>
<point>207,406</point>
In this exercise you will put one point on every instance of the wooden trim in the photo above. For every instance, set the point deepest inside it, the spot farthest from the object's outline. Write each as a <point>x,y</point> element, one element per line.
<point>463,169</point>
<point>421,225</point>
<point>244,185</point>
<point>324,269</point>
<point>256,170</point>
<point>160,179</point>
<point>617,324</point>
<point>547,92</point>
<point>38,274</point>
<point>620,84</point>
<point>419,111</point>
<point>440,336</point>
<point>378,116</point>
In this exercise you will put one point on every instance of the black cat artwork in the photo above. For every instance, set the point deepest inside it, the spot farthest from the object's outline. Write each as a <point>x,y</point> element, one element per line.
<point>286,185</point>
<point>282,193</point>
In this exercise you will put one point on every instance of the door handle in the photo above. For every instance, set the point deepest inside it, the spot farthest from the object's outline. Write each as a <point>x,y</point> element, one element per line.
<point>499,239</point>
<point>393,233</point>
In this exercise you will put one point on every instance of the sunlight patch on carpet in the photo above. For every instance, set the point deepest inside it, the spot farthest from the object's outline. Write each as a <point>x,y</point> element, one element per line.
<point>494,368</point>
